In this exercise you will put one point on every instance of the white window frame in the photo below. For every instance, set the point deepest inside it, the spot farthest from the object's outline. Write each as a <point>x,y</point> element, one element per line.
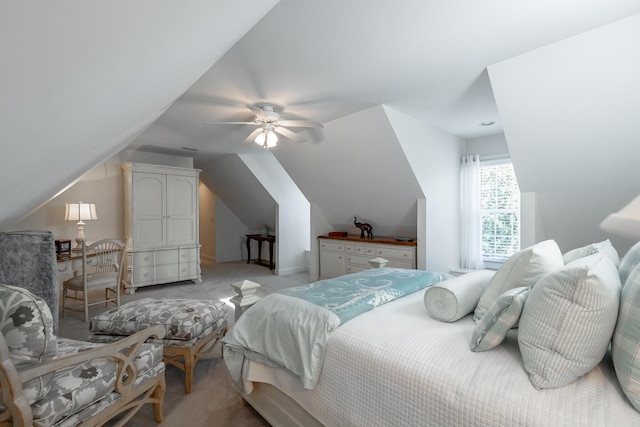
<point>496,263</point>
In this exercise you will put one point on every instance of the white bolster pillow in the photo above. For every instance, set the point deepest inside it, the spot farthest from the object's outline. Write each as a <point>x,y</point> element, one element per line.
<point>454,298</point>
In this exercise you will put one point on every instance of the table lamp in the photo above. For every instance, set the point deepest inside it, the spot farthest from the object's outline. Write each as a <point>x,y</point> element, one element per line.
<point>80,212</point>
<point>625,222</point>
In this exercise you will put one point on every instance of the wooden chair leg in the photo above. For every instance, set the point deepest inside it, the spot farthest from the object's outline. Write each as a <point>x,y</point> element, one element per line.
<point>158,404</point>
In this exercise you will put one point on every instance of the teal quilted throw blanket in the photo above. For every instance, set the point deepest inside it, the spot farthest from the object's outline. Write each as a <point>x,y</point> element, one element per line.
<point>353,294</point>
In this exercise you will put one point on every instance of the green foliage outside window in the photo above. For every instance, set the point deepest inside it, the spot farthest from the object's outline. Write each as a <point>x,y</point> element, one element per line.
<point>500,212</point>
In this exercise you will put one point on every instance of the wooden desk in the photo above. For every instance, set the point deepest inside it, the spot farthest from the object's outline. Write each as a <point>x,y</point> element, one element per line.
<point>67,266</point>
<point>259,238</point>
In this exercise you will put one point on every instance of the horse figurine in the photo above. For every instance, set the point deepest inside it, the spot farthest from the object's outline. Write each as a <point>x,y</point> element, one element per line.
<point>363,228</point>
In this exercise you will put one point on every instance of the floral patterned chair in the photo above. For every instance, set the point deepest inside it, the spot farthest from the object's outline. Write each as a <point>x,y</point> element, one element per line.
<point>46,380</point>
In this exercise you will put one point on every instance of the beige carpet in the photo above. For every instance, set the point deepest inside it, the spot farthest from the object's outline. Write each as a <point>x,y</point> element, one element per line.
<point>213,400</point>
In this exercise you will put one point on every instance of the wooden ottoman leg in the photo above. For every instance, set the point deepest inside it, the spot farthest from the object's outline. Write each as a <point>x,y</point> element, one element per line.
<point>189,364</point>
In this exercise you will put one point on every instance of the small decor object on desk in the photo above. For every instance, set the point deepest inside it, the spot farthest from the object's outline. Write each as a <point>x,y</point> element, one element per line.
<point>264,230</point>
<point>63,248</point>
<point>364,227</point>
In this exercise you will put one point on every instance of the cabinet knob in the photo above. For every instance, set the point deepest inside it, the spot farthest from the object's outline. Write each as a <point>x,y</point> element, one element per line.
<point>184,255</point>
<point>147,258</point>
<point>146,274</point>
<point>340,257</point>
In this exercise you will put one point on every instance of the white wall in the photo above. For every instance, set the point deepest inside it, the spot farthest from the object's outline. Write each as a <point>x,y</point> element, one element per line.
<point>230,232</point>
<point>207,218</point>
<point>490,145</point>
<point>293,219</point>
<point>104,186</point>
<point>570,116</point>
<point>434,157</point>
<point>355,167</point>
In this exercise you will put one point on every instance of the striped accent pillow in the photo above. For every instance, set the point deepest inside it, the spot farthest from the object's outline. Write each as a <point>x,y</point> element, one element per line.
<point>502,316</point>
<point>629,261</point>
<point>568,321</point>
<point>626,339</point>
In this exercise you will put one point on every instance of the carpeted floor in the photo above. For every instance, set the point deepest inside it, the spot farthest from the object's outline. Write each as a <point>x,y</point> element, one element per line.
<point>213,400</point>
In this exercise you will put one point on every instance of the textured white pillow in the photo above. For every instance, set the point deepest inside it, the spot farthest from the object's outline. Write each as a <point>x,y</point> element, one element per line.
<point>523,268</point>
<point>607,248</point>
<point>454,298</point>
<point>578,253</point>
<point>604,247</point>
<point>568,321</point>
<point>501,316</point>
<point>626,339</point>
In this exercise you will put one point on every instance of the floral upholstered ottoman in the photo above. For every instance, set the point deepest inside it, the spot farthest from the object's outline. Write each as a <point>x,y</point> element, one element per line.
<point>192,327</point>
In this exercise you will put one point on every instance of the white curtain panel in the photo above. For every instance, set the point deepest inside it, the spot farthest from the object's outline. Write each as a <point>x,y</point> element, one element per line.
<point>470,227</point>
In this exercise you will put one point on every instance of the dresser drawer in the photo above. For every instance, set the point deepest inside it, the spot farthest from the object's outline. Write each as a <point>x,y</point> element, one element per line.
<point>355,269</point>
<point>187,271</point>
<point>169,256</point>
<point>188,255</point>
<point>359,260</point>
<point>359,249</point>
<point>143,259</point>
<point>143,275</point>
<point>402,254</point>
<point>334,247</point>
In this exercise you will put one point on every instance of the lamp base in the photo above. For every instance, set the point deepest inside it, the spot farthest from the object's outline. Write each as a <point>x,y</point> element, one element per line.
<point>80,237</point>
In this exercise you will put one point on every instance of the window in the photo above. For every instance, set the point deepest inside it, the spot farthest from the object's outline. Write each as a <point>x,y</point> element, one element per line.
<point>499,211</point>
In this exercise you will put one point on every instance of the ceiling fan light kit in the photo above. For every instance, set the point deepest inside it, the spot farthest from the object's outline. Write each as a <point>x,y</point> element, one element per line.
<point>267,139</point>
<point>268,118</point>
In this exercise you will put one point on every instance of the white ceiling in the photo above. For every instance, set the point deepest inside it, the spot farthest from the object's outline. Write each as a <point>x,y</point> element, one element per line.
<point>324,60</point>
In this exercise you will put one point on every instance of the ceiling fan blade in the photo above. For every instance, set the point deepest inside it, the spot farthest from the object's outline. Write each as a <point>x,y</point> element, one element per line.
<point>301,123</point>
<point>287,133</point>
<point>252,136</point>
<point>231,123</point>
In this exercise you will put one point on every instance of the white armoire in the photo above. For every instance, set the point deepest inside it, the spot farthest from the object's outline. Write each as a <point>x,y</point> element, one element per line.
<point>160,224</point>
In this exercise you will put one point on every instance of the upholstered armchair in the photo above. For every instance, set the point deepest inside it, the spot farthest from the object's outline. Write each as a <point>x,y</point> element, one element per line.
<point>46,380</point>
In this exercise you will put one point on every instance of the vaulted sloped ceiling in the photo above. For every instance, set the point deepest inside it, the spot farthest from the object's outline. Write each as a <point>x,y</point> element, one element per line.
<point>81,80</point>
<point>570,115</point>
<point>233,182</point>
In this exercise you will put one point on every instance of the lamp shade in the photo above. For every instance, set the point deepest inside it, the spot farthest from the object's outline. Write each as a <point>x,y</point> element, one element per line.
<point>625,222</point>
<point>80,212</point>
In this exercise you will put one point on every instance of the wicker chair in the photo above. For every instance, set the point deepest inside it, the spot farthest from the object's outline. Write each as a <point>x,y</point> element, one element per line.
<point>101,269</point>
<point>46,380</point>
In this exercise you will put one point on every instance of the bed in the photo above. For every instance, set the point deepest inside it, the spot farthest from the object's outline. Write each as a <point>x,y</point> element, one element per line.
<point>396,365</point>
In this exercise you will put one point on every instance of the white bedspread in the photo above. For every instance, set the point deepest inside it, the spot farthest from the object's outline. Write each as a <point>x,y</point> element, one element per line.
<point>396,366</point>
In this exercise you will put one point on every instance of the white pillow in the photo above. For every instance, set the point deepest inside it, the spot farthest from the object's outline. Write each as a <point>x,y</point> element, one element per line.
<point>604,247</point>
<point>578,253</point>
<point>454,298</point>
<point>501,316</point>
<point>568,321</point>
<point>607,248</point>
<point>523,268</point>
<point>626,339</point>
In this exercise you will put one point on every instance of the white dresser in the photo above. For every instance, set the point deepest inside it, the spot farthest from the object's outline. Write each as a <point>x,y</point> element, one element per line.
<point>161,224</point>
<point>350,254</point>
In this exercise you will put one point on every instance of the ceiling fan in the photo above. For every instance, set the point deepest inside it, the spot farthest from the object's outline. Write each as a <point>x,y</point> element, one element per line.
<point>267,118</point>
